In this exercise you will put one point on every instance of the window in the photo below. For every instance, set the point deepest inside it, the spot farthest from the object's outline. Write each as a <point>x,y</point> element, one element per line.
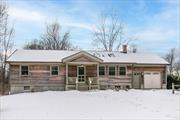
<point>54,70</point>
<point>81,70</point>
<point>122,71</point>
<point>26,87</point>
<point>101,70</point>
<point>24,70</point>
<point>111,70</point>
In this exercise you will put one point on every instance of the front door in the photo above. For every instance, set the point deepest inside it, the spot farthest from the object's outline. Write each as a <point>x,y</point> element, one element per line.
<point>136,80</point>
<point>81,74</point>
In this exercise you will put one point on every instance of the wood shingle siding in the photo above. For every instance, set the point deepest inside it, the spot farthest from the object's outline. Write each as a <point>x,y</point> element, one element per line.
<point>39,75</point>
<point>91,71</point>
<point>72,71</point>
<point>14,71</point>
<point>81,59</point>
<point>154,68</point>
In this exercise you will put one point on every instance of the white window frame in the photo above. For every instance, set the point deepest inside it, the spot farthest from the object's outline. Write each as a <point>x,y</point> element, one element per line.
<point>20,73</point>
<point>51,70</point>
<point>115,70</point>
<point>104,70</point>
<point>119,70</point>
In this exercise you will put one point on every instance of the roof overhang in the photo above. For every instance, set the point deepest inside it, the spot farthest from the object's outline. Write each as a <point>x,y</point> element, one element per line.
<point>33,63</point>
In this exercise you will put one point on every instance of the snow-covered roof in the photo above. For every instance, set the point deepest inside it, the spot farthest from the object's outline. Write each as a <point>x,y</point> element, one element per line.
<point>110,57</point>
<point>140,58</point>
<point>39,55</point>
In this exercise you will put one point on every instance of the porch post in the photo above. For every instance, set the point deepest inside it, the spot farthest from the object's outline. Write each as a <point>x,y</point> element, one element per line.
<point>98,76</point>
<point>66,76</point>
<point>132,68</point>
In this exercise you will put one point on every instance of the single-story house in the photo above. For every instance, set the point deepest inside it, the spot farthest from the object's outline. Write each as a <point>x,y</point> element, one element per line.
<point>39,70</point>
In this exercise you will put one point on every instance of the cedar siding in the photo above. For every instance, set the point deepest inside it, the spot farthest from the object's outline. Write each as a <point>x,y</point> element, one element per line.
<point>40,75</point>
<point>91,71</point>
<point>39,78</point>
<point>116,80</point>
<point>72,70</point>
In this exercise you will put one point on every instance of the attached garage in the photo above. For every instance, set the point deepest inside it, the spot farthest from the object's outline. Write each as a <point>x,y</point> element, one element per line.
<point>152,79</point>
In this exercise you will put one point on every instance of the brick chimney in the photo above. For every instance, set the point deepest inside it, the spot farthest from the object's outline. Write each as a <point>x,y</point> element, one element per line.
<point>124,48</point>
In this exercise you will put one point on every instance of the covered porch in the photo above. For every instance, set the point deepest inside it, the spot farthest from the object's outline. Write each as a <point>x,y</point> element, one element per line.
<point>82,72</point>
<point>82,76</point>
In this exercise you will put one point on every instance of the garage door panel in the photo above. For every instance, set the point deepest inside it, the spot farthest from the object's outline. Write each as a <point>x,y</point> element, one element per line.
<point>152,80</point>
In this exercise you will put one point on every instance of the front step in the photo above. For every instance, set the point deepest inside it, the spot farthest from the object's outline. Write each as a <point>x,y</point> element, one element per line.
<point>70,88</point>
<point>81,87</point>
<point>86,87</point>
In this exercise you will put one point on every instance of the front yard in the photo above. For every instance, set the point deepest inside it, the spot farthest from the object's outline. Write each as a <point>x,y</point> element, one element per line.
<point>132,104</point>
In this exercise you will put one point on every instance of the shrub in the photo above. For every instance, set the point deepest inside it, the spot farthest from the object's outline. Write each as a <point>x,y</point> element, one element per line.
<point>172,79</point>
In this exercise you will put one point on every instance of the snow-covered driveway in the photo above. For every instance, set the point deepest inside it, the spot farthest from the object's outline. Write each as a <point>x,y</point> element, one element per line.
<point>132,104</point>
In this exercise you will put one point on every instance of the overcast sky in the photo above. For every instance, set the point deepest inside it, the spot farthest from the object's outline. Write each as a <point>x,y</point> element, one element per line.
<point>155,23</point>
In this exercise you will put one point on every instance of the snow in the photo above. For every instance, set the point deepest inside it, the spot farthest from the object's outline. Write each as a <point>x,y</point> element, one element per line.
<point>39,55</point>
<point>139,58</point>
<point>103,105</point>
<point>58,55</point>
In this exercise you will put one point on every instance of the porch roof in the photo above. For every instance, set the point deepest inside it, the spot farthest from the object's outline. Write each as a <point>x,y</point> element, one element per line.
<point>106,57</point>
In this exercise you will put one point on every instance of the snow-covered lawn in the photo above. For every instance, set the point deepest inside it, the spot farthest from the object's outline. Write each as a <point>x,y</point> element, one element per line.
<point>132,104</point>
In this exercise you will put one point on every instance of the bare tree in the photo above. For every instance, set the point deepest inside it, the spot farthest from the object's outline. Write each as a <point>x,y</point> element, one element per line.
<point>6,41</point>
<point>34,45</point>
<point>170,58</point>
<point>109,32</point>
<point>177,67</point>
<point>52,39</point>
<point>55,39</point>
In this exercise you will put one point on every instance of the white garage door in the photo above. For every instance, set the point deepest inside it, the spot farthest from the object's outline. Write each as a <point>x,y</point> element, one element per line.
<point>152,79</point>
